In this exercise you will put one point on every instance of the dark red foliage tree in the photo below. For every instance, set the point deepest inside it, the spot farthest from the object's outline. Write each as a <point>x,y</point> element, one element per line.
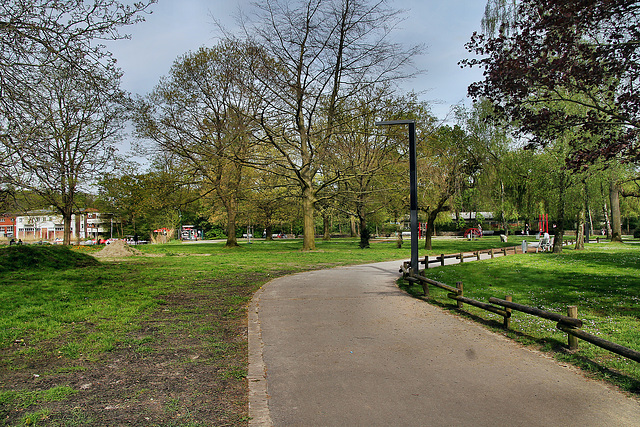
<point>567,65</point>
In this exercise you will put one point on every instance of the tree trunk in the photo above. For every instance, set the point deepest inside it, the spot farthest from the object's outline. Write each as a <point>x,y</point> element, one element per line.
<point>309,232</point>
<point>269,231</point>
<point>226,182</point>
<point>431,221</point>
<point>364,232</point>
<point>605,212</point>
<point>232,240</point>
<point>616,222</point>
<point>326,225</point>
<point>352,221</point>
<point>582,223</point>
<point>66,219</point>
<point>505,224</point>
<point>580,230</point>
<point>559,232</point>
<point>428,238</point>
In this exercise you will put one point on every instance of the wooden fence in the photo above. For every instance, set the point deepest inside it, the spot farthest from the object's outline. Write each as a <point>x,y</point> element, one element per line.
<point>569,324</point>
<point>440,259</point>
<point>462,255</point>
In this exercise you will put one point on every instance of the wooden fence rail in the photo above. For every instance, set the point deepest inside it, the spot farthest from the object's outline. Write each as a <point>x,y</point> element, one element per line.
<point>607,345</point>
<point>568,324</point>
<point>462,255</point>
<point>537,312</point>
<point>483,305</point>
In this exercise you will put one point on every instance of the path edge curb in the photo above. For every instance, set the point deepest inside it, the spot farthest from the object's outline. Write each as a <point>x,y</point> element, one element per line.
<point>259,413</point>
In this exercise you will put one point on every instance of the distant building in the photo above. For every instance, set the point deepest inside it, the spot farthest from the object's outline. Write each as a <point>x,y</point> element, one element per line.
<point>7,226</point>
<point>471,216</point>
<point>95,223</point>
<point>47,225</point>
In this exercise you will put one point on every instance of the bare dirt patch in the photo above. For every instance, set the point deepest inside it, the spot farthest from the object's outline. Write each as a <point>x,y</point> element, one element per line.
<point>117,249</point>
<point>184,366</point>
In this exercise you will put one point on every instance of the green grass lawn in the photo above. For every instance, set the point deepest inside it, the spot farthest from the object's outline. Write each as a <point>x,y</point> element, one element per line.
<point>183,309</point>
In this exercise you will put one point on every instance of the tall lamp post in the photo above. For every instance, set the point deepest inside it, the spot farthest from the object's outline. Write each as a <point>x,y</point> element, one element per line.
<point>413,184</point>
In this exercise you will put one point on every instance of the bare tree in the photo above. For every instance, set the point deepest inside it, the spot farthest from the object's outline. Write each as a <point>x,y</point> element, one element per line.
<point>38,37</point>
<point>37,33</point>
<point>318,53</point>
<point>62,134</point>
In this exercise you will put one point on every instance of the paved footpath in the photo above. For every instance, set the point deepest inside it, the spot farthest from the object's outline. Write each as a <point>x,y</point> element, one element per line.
<point>346,347</point>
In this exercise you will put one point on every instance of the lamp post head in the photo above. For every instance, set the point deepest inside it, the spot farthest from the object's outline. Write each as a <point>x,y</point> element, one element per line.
<point>395,122</point>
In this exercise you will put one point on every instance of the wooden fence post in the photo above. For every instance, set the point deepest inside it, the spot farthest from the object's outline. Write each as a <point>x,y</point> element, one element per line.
<point>459,287</point>
<point>572,311</point>
<point>461,257</point>
<point>507,319</point>
<point>425,290</point>
<point>478,255</point>
<point>426,262</point>
<point>491,253</point>
<point>442,260</point>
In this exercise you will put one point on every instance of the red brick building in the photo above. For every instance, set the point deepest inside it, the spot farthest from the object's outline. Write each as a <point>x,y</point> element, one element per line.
<point>7,226</point>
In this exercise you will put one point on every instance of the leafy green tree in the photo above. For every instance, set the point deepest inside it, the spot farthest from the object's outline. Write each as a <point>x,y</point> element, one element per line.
<point>367,158</point>
<point>499,15</point>
<point>203,113</point>
<point>446,166</point>
<point>143,202</point>
<point>266,198</point>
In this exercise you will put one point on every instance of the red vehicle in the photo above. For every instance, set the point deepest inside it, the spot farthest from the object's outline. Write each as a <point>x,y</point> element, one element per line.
<point>472,233</point>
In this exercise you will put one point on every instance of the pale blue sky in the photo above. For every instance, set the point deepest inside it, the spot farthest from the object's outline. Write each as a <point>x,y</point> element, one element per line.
<point>178,26</point>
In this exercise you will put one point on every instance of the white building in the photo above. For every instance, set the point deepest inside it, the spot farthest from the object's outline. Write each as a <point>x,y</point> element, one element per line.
<point>47,225</point>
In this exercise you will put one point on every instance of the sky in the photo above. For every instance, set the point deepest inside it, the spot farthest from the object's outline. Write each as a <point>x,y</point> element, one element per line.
<point>176,27</point>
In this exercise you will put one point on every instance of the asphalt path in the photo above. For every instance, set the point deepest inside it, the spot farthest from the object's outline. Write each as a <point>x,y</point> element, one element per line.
<point>346,347</point>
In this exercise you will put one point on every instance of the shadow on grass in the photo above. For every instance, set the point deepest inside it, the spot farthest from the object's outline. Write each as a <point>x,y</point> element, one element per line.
<point>552,282</point>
